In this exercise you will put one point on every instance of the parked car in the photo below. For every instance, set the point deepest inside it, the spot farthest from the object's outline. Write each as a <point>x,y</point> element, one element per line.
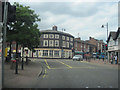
<point>78,57</point>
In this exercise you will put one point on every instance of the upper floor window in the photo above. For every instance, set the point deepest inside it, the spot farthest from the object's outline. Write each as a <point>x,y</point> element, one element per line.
<point>67,44</point>
<point>71,45</point>
<point>51,43</point>
<point>45,35</point>
<point>56,36</point>
<point>68,38</point>
<point>63,37</point>
<point>45,43</point>
<point>56,43</point>
<point>64,44</point>
<point>71,39</point>
<point>51,35</point>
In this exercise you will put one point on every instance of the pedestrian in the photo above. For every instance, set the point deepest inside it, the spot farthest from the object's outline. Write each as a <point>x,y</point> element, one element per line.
<point>103,57</point>
<point>115,59</point>
<point>111,59</point>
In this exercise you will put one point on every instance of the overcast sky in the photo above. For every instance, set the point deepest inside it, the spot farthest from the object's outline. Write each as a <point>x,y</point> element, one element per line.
<point>84,18</point>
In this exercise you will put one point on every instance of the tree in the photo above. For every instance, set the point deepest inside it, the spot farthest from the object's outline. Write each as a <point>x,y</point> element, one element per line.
<point>24,30</point>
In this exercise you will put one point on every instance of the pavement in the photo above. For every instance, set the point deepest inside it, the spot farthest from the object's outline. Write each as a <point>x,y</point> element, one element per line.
<point>24,78</point>
<point>101,62</point>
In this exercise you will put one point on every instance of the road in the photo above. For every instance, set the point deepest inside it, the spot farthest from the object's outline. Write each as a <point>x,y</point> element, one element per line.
<point>75,74</point>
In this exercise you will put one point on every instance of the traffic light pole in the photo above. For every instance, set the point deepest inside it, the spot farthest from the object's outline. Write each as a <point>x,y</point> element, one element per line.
<point>4,40</point>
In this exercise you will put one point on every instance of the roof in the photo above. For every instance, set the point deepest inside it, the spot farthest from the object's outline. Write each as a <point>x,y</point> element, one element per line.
<point>112,34</point>
<point>117,33</point>
<point>57,32</point>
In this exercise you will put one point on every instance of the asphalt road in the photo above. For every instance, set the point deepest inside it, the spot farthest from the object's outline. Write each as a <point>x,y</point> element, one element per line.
<point>75,74</point>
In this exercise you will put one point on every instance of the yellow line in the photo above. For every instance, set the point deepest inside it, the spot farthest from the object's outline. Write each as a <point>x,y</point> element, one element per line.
<point>47,64</point>
<point>45,73</point>
<point>64,64</point>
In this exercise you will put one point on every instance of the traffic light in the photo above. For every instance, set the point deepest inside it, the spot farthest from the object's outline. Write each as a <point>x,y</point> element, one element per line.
<point>106,46</point>
<point>11,16</point>
<point>11,12</point>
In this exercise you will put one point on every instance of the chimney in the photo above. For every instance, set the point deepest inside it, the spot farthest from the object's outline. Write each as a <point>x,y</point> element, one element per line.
<point>54,28</point>
<point>90,38</point>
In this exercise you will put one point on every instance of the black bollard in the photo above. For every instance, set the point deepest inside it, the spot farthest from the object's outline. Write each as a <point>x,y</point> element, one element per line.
<point>22,64</point>
<point>16,69</point>
<point>26,60</point>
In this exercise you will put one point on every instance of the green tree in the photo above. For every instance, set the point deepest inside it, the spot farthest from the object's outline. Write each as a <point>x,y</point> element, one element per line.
<point>25,29</point>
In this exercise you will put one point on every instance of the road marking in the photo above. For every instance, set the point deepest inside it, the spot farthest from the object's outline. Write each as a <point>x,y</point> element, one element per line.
<point>64,64</point>
<point>45,73</point>
<point>47,64</point>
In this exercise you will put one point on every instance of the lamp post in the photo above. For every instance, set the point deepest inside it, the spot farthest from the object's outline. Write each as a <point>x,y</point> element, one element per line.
<point>106,39</point>
<point>107,28</point>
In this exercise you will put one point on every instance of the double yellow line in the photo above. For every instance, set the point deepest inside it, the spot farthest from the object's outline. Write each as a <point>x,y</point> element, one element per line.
<point>47,64</point>
<point>59,62</point>
<point>64,64</point>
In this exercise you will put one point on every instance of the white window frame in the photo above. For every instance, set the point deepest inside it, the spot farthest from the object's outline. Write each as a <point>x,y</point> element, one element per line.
<point>57,41</point>
<point>63,37</point>
<point>45,42</point>
<point>50,42</point>
<point>56,36</point>
<point>67,44</point>
<point>71,39</point>
<point>56,53</point>
<point>45,52</point>
<point>45,35</point>
<point>67,38</point>
<point>63,43</point>
<point>51,35</point>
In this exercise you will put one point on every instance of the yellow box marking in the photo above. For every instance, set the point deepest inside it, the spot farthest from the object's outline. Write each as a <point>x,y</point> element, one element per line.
<point>64,64</point>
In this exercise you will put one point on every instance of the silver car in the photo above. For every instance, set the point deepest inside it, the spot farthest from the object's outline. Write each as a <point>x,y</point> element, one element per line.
<point>78,57</point>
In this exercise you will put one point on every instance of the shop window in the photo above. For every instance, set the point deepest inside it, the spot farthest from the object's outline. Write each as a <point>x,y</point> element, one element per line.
<point>51,53</point>
<point>45,52</point>
<point>56,53</point>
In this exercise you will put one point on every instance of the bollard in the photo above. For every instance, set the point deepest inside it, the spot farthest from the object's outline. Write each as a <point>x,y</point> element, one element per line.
<point>16,69</point>
<point>22,64</point>
<point>26,60</point>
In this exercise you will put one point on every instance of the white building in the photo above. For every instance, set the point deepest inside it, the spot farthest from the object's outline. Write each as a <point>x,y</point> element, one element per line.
<point>114,44</point>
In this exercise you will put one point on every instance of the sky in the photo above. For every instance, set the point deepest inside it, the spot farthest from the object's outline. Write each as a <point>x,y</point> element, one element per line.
<point>79,18</point>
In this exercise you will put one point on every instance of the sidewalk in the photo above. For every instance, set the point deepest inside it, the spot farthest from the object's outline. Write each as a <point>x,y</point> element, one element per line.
<point>100,61</point>
<point>25,78</point>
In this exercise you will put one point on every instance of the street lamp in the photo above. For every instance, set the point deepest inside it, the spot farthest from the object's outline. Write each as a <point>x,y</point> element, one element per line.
<point>107,37</point>
<point>107,28</point>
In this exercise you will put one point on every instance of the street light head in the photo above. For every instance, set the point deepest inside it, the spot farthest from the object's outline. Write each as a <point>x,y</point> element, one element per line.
<point>102,26</point>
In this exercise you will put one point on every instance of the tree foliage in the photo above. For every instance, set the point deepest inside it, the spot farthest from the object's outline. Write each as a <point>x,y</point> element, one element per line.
<point>25,29</point>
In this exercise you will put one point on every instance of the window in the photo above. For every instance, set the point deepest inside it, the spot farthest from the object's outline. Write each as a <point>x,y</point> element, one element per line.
<point>56,53</point>
<point>64,44</point>
<point>71,39</point>
<point>51,43</point>
<point>68,38</point>
<point>56,36</point>
<point>45,43</point>
<point>67,44</point>
<point>45,35</point>
<point>71,44</point>
<point>51,53</point>
<point>45,52</point>
<point>51,35</point>
<point>56,43</point>
<point>63,37</point>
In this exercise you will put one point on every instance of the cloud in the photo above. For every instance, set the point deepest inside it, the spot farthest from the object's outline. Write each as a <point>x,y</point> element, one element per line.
<point>84,18</point>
